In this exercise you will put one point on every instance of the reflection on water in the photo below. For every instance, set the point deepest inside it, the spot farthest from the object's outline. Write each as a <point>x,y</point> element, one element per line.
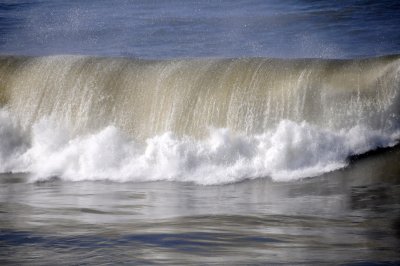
<point>349,216</point>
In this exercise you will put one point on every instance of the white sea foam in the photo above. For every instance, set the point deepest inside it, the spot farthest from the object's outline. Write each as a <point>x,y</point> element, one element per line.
<point>288,152</point>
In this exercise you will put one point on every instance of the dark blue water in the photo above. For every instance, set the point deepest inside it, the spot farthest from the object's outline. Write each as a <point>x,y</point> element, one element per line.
<point>165,29</point>
<point>349,217</point>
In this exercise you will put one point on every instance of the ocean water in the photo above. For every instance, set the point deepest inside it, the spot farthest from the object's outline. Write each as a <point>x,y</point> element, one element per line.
<point>199,132</point>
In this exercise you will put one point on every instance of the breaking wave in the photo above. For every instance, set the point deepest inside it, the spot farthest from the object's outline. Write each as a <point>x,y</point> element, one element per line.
<point>208,121</point>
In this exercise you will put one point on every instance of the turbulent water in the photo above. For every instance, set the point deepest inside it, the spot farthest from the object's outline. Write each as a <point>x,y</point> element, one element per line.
<point>201,132</point>
<point>209,121</point>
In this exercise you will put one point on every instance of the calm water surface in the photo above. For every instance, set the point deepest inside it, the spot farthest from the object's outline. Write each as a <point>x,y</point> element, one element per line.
<point>221,28</point>
<point>346,217</point>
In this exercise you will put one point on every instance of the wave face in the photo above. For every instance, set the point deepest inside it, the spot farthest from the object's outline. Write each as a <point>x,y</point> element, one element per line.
<point>208,121</point>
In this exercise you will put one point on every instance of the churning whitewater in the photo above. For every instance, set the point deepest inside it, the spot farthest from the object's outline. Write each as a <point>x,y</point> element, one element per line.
<point>207,121</point>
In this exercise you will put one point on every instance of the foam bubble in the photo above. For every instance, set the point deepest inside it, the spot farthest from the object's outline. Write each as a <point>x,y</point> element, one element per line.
<point>288,152</point>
